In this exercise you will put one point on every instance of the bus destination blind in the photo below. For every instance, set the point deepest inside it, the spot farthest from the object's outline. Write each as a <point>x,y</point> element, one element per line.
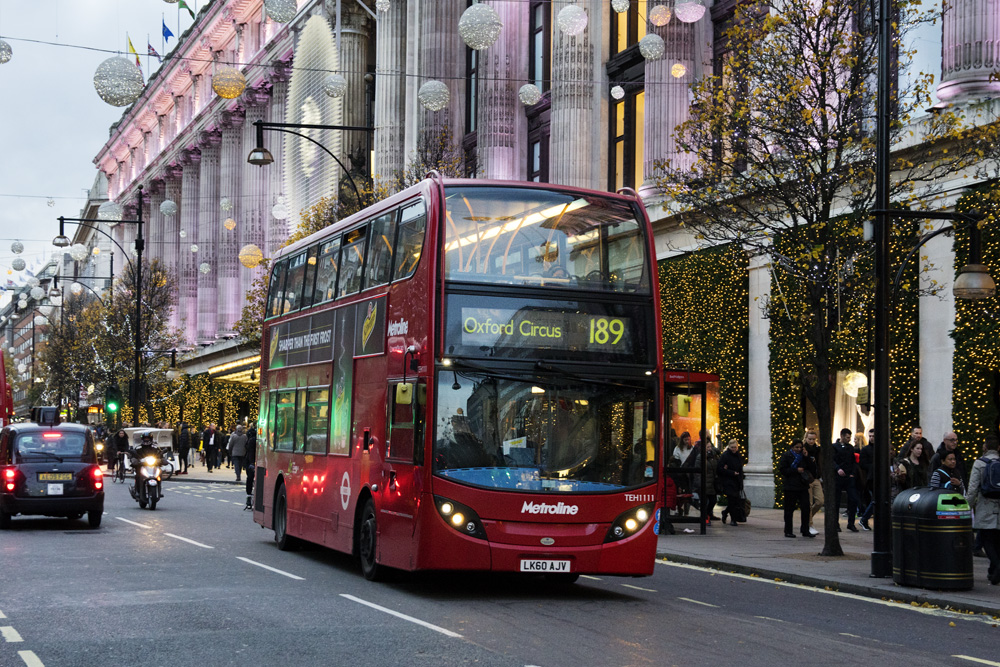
<point>545,329</point>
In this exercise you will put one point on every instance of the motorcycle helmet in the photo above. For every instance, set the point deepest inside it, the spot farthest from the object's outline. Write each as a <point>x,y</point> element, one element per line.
<point>147,438</point>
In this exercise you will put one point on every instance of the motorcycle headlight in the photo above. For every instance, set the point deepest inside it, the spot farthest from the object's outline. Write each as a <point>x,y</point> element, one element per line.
<point>150,460</point>
<point>628,523</point>
<point>99,446</point>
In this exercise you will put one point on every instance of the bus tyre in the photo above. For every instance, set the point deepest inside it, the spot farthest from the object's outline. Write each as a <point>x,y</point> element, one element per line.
<point>94,518</point>
<point>368,544</point>
<point>284,541</point>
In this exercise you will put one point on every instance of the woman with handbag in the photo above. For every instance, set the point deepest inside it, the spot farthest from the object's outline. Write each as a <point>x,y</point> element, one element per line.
<point>730,480</point>
<point>913,466</point>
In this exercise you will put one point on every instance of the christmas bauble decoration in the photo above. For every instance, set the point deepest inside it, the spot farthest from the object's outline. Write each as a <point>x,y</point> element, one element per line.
<point>194,247</point>
<point>183,234</point>
<point>280,209</point>
<point>689,11</point>
<point>620,6</point>
<point>251,256</point>
<point>168,208</point>
<point>572,20</point>
<point>205,267</point>
<point>617,92</point>
<point>17,247</point>
<point>529,94</point>
<point>226,204</point>
<point>79,252</point>
<point>76,289</point>
<point>229,82</point>
<point>118,81</point>
<point>335,85</point>
<point>479,26</point>
<point>434,95</point>
<point>678,70</point>
<point>37,293</point>
<point>659,15</point>
<point>32,281</point>
<point>40,320</point>
<point>18,264</point>
<point>229,224</point>
<point>5,52</point>
<point>382,5</point>
<point>110,212</point>
<point>651,46</point>
<point>280,11</point>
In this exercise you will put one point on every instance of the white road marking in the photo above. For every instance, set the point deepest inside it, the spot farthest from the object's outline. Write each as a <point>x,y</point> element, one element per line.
<point>184,539</point>
<point>9,634</point>
<point>268,567</point>
<point>979,660</point>
<point>848,634</point>
<point>587,576</point>
<point>639,588</point>
<point>955,615</point>
<point>1,615</point>
<point>768,618</point>
<point>30,659</point>
<point>397,614</point>
<point>704,604</point>
<point>140,525</point>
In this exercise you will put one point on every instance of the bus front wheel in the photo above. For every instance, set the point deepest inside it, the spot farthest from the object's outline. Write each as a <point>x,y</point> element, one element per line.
<point>284,541</point>
<point>368,544</point>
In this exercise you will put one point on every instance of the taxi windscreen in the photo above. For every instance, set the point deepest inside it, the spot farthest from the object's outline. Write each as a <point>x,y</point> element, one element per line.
<point>48,444</point>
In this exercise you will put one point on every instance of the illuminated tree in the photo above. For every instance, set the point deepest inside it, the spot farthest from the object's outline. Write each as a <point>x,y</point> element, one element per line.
<point>780,157</point>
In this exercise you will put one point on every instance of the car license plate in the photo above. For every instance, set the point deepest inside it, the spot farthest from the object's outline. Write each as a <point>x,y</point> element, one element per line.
<point>55,489</point>
<point>55,476</point>
<point>545,566</point>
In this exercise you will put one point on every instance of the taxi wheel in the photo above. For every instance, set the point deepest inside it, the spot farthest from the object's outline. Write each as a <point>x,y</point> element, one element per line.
<point>4,520</point>
<point>94,518</point>
<point>368,544</point>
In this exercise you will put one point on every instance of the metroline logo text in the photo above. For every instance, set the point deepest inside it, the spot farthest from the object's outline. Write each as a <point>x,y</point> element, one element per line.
<point>542,508</point>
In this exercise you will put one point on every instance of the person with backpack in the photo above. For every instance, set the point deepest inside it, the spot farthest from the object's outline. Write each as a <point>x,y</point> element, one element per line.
<point>984,498</point>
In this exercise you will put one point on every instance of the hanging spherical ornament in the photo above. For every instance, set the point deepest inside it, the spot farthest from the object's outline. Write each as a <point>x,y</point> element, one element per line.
<point>79,252</point>
<point>194,247</point>
<point>183,234</point>
<point>434,95</point>
<point>96,251</point>
<point>22,303</point>
<point>651,46</point>
<point>620,6</point>
<point>280,11</point>
<point>168,208</point>
<point>678,70</point>
<point>383,5</point>
<point>280,210</point>
<point>118,81</point>
<point>17,247</point>
<point>205,267</point>
<point>659,15</point>
<point>226,204</point>
<point>572,20</point>
<point>251,256</point>
<point>76,289</point>
<point>689,11</point>
<point>854,381</point>
<point>335,85</point>
<point>479,26</point>
<point>33,282</point>
<point>529,94</point>
<point>5,52</point>
<point>40,320</point>
<point>12,350</point>
<point>110,212</point>
<point>617,92</point>
<point>229,82</point>
<point>18,264</point>
<point>37,293</point>
<point>229,224</point>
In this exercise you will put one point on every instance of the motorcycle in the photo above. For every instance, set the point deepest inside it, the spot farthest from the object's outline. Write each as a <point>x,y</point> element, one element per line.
<point>147,490</point>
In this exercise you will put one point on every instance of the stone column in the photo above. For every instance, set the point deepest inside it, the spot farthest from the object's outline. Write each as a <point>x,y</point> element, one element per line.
<point>276,231</point>
<point>442,57</point>
<point>254,208</point>
<point>937,349</point>
<point>759,470</point>
<point>209,224</point>
<point>970,50</point>
<point>390,93</point>
<point>667,99</point>
<point>187,277</point>
<point>355,31</point>
<point>502,125</point>
<point>171,241</point>
<point>572,150</point>
<point>233,158</point>
<point>153,230</point>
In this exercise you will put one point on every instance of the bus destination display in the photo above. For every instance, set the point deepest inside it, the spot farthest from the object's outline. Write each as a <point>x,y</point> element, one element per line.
<point>545,329</point>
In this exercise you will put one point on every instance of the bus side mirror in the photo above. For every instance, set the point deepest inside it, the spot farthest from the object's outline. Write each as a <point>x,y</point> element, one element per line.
<point>404,394</point>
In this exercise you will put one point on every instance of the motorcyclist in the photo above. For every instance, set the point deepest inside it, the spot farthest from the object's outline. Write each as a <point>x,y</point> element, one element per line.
<point>145,448</point>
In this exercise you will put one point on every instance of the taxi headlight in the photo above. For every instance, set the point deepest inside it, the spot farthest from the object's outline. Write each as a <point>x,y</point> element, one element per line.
<point>461,518</point>
<point>629,523</point>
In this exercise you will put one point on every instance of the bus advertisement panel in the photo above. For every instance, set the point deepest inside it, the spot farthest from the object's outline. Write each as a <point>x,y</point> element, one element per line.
<point>467,376</point>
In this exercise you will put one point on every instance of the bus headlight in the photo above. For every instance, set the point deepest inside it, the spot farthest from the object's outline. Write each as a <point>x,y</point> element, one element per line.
<point>461,518</point>
<point>629,523</point>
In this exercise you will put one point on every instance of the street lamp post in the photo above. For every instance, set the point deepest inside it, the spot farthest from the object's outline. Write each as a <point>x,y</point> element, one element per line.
<point>140,244</point>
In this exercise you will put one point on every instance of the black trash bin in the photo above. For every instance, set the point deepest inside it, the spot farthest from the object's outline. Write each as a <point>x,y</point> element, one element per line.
<point>932,539</point>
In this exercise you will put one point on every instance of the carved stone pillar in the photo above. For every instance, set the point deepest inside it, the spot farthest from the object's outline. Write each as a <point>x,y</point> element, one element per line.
<point>502,125</point>
<point>970,50</point>
<point>209,224</point>
<point>277,230</point>
<point>255,211</point>
<point>760,468</point>
<point>442,57</point>
<point>355,31</point>
<point>390,92</point>
<point>232,158</point>
<point>153,229</point>
<point>187,267</point>
<point>173,177</point>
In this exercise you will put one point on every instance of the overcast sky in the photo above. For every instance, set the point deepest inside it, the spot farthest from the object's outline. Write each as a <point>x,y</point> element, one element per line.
<point>52,123</point>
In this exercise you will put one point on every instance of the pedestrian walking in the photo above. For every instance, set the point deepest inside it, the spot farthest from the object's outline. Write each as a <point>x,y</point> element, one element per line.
<point>796,475</point>
<point>730,473</point>
<point>210,443</point>
<point>986,511</point>
<point>845,466</point>
<point>184,448</point>
<point>237,447</point>
<point>949,443</point>
<point>816,496</point>
<point>912,466</point>
<point>947,476</point>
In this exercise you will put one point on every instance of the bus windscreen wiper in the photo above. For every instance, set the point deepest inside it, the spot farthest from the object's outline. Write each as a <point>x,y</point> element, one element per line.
<point>551,368</point>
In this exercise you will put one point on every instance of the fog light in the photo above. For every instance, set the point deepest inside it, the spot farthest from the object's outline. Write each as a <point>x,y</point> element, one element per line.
<point>631,524</point>
<point>457,519</point>
<point>447,508</point>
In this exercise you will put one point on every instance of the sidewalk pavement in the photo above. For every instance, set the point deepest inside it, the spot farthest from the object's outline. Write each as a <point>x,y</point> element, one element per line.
<point>760,548</point>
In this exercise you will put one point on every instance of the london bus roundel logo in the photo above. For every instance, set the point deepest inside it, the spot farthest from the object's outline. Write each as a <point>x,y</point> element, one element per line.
<point>345,490</point>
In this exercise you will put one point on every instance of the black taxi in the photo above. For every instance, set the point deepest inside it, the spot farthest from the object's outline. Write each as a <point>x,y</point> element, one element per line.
<point>50,470</point>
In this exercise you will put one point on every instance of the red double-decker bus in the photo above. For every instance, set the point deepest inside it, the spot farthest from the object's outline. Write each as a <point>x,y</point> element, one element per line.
<point>466,376</point>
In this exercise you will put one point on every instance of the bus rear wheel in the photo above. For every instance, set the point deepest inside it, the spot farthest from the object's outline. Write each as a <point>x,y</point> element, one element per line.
<point>368,544</point>
<point>284,541</point>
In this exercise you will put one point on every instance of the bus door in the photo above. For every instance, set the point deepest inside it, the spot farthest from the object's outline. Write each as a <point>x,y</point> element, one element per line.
<point>400,485</point>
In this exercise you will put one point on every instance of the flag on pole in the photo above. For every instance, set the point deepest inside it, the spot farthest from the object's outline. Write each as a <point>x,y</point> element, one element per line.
<point>150,51</point>
<point>131,49</point>
<point>183,5</point>
<point>166,31</point>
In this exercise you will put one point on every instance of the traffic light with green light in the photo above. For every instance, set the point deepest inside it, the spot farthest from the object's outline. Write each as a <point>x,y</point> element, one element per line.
<point>112,399</point>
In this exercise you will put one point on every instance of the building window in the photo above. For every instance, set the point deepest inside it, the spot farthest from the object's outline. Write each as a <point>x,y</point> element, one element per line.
<point>471,89</point>
<point>628,27</point>
<point>626,117</point>
<point>540,45</point>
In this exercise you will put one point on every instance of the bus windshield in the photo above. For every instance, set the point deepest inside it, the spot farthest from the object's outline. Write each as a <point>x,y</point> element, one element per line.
<point>543,436</point>
<point>535,237</point>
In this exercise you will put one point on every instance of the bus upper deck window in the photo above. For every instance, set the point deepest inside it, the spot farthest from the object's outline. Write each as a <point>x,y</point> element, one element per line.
<point>380,254</point>
<point>293,283</point>
<point>410,241</point>
<point>276,289</point>
<point>326,272</point>
<point>352,261</point>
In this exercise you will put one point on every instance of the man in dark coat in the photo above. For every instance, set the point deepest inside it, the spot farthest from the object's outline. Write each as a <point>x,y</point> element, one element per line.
<point>796,473</point>
<point>210,441</point>
<point>184,448</point>
<point>845,467</point>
